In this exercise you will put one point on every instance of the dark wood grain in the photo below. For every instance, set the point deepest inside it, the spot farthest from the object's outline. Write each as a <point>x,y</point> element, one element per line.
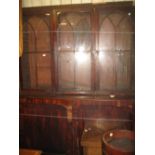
<point>45,127</point>
<point>53,114</point>
<point>44,122</point>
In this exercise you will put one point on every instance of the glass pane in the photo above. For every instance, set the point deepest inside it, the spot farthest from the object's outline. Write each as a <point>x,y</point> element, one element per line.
<point>83,35</point>
<point>106,70</point>
<point>66,70</point>
<point>124,36</point>
<point>36,35</point>
<point>44,77</point>
<point>65,36</point>
<point>29,71</point>
<point>43,37</point>
<point>83,71</point>
<point>43,59</point>
<point>106,35</point>
<point>36,70</point>
<point>28,38</point>
<point>106,55</point>
<point>74,41</point>
<point>43,70</point>
<point>123,70</point>
<point>36,61</point>
<point>124,47</point>
<point>116,40</point>
<point>115,18</point>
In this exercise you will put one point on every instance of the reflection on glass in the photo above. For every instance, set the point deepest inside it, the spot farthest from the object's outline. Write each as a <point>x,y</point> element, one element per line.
<point>74,44</point>
<point>101,56</point>
<point>81,49</point>
<point>80,55</point>
<point>47,14</point>
<point>44,55</point>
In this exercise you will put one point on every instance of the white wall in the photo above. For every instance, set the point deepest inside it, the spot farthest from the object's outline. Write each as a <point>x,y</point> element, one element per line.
<point>34,3</point>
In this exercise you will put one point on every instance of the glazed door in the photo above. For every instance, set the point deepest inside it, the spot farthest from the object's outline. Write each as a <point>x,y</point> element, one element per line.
<point>115,50</point>
<point>73,51</point>
<point>36,60</point>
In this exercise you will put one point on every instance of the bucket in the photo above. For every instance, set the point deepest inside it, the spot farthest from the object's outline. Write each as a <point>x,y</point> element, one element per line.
<point>119,142</point>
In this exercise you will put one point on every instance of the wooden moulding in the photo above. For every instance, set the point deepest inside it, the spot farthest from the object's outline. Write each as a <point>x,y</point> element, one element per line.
<point>29,152</point>
<point>20,29</point>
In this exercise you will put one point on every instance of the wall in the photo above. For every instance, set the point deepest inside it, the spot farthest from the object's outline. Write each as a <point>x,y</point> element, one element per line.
<point>35,3</point>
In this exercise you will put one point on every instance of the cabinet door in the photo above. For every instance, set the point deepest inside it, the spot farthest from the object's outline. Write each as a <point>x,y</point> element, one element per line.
<point>36,60</point>
<point>73,51</point>
<point>116,49</point>
<point>106,53</point>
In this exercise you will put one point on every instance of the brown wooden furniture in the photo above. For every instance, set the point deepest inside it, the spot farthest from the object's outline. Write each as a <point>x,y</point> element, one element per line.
<point>77,68</point>
<point>45,126</point>
<point>29,152</point>
<point>44,122</point>
<point>80,49</point>
<point>91,141</point>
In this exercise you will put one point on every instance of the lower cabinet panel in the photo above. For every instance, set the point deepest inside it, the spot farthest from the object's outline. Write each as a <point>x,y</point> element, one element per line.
<point>57,125</point>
